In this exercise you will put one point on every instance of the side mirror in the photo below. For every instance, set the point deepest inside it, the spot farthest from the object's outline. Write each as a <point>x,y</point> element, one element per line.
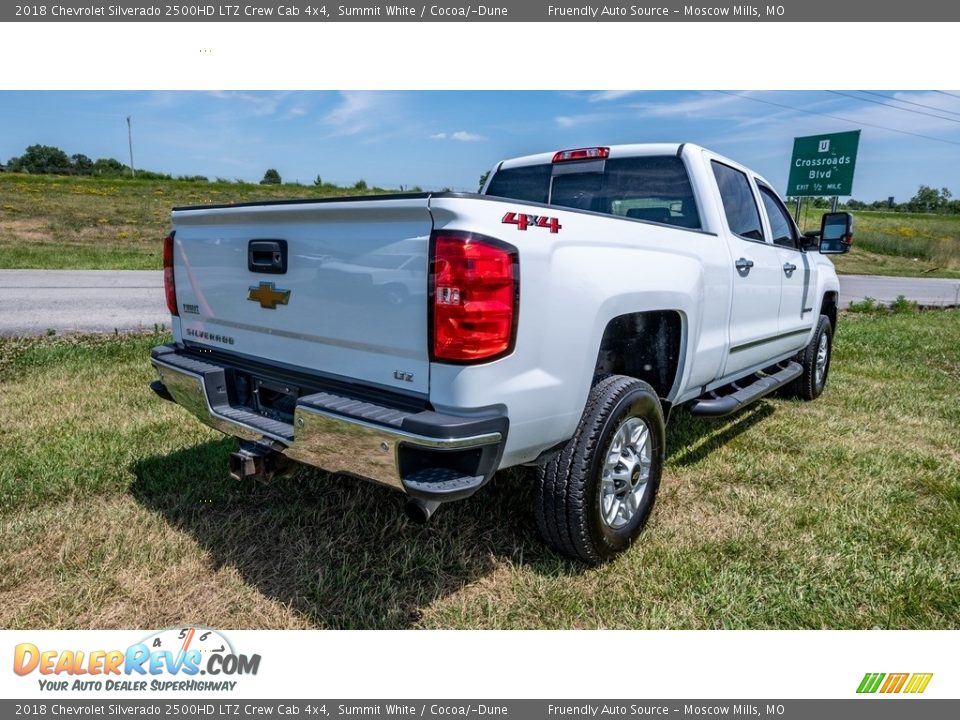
<point>810,240</point>
<point>836,233</point>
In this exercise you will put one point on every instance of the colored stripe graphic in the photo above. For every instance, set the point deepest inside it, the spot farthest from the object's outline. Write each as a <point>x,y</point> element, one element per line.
<point>918,682</point>
<point>894,683</point>
<point>870,682</point>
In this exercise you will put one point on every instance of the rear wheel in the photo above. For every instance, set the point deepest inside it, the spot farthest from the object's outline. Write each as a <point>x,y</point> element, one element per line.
<point>594,499</point>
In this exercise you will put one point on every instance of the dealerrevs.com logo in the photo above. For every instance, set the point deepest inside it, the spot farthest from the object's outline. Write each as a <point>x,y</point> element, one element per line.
<point>172,659</point>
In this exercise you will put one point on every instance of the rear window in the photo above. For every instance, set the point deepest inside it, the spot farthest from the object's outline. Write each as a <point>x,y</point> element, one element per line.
<point>655,189</point>
<point>530,184</point>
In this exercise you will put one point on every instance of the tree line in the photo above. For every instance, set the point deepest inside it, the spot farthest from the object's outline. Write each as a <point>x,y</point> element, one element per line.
<point>926,200</point>
<point>50,160</point>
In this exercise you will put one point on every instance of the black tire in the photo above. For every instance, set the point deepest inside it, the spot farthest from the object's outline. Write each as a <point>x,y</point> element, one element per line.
<point>808,386</point>
<point>569,498</point>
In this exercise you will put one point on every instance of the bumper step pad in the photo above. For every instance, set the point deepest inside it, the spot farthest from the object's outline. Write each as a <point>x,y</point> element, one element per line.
<point>441,484</point>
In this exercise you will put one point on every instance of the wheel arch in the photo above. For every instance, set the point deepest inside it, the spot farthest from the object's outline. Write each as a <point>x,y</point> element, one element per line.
<point>828,306</point>
<point>645,345</point>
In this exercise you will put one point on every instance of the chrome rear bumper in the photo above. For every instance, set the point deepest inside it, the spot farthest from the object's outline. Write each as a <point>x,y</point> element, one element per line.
<point>344,435</point>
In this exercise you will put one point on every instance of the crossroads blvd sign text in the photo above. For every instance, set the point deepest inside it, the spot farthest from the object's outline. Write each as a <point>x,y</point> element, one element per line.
<point>823,164</point>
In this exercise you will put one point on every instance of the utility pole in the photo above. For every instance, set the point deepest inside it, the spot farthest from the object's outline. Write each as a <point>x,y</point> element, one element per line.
<point>133,172</point>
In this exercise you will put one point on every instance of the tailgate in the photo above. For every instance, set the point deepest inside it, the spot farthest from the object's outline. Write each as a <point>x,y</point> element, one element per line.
<point>351,301</point>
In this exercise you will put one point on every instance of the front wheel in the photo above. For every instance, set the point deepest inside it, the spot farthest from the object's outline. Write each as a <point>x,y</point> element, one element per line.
<point>815,359</point>
<point>594,499</point>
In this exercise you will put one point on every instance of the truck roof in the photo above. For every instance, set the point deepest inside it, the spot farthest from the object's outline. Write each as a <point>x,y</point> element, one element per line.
<point>616,151</point>
<point>632,150</point>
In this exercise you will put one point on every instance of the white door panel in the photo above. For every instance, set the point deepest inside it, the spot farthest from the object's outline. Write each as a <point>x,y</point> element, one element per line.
<point>797,306</point>
<point>755,311</point>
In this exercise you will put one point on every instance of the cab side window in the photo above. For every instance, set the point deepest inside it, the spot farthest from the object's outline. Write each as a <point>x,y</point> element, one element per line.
<point>780,224</point>
<point>739,205</point>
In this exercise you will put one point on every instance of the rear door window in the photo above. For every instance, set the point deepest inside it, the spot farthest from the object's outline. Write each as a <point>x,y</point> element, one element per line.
<point>780,224</point>
<point>739,204</point>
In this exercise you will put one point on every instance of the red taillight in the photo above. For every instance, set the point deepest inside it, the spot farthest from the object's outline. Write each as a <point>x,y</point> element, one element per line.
<point>169,287</point>
<point>594,153</point>
<point>473,294</point>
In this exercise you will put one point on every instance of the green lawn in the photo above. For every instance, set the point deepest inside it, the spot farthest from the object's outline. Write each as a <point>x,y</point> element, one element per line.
<point>56,222</point>
<point>115,511</point>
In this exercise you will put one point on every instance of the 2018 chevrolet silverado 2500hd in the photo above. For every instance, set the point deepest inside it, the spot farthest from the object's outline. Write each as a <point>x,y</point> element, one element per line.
<point>426,341</point>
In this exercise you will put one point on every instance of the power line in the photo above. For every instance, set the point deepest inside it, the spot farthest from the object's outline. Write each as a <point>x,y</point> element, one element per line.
<point>901,109</point>
<point>837,117</point>
<point>944,92</point>
<point>910,102</point>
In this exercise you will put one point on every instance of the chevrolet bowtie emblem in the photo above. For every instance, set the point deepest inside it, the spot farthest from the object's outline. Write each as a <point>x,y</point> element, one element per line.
<point>268,296</point>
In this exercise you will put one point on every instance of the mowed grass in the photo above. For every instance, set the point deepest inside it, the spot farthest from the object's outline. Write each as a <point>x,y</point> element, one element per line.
<point>863,262</point>
<point>116,511</point>
<point>55,222</point>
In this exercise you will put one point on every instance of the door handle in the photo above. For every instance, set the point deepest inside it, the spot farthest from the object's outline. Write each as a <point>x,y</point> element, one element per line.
<point>788,268</point>
<point>743,264</point>
<point>267,256</point>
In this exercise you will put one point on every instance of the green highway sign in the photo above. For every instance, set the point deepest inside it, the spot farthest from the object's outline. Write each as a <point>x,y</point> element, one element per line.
<point>823,164</point>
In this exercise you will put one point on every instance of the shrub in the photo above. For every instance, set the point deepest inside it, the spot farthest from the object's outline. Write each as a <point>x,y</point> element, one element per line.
<point>271,177</point>
<point>902,305</point>
<point>867,305</point>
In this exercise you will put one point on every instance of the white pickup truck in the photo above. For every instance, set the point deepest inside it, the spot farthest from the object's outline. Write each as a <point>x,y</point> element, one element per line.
<point>426,341</point>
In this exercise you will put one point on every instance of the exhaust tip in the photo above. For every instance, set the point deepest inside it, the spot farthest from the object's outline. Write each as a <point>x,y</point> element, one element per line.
<point>420,511</point>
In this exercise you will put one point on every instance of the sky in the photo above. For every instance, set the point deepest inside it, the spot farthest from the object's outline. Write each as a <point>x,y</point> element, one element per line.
<point>441,139</point>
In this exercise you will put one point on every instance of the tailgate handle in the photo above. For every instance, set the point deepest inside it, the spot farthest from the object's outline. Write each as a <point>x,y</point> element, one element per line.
<point>267,256</point>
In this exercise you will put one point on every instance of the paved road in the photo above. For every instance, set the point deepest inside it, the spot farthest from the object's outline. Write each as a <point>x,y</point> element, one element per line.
<point>926,291</point>
<point>33,301</point>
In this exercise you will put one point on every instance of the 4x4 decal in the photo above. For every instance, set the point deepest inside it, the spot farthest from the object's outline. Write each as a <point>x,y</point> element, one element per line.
<point>523,221</point>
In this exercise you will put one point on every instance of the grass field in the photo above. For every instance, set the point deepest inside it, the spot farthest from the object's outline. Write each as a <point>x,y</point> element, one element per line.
<point>115,512</point>
<point>52,222</point>
<point>904,244</point>
<point>63,222</point>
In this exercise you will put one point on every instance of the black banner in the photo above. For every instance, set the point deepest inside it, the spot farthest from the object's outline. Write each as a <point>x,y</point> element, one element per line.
<point>496,11</point>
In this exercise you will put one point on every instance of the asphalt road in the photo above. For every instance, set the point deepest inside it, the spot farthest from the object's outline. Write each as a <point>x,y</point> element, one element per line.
<point>926,291</point>
<point>35,301</point>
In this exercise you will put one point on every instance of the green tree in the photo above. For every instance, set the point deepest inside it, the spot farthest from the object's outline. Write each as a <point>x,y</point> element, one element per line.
<point>42,159</point>
<point>108,166</point>
<point>82,165</point>
<point>271,177</point>
<point>483,180</point>
<point>360,185</point>
<point>927,199</point>
<point>318,181</point>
